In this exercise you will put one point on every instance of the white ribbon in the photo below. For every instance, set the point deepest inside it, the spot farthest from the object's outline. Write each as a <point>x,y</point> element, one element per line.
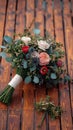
<point>16,80</point>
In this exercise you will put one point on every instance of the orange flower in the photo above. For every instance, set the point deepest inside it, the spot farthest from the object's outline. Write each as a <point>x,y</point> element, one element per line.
<point>44,58</point>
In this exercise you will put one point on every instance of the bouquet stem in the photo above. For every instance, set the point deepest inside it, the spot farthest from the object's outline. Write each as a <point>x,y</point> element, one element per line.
<point>7,93</point>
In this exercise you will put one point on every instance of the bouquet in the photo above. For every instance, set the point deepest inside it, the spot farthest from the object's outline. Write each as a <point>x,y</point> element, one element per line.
<point>37,60</point>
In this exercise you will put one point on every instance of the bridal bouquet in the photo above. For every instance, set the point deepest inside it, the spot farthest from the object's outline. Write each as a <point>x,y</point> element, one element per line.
<point>37,60</point>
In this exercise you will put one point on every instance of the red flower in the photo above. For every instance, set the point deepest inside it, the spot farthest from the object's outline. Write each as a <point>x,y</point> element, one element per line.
<point>44,70</point>
<point>59,63</point>
<point>25,49</point>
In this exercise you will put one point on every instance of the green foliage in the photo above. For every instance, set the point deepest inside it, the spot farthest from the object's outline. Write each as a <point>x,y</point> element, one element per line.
<point>8,39</point>
<point>48,107</point>
<point>3,47</point>
<point>53,76</point>
<point>3,54</point>
<point>36,31</point>
<point>36,79</point>
<point>29,60</point>
<point>28,79</point>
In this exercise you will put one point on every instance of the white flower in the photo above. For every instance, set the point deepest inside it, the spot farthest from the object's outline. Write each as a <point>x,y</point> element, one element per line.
<point>25,39</point>
<point>43,45</point>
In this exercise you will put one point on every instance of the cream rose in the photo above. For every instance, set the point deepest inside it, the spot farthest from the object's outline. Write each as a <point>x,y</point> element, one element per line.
<point>25,39</point>
<point>43,45</point>
<point>44,58</point>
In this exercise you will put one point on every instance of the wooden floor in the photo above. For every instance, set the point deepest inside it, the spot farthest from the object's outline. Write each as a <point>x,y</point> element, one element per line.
<point>55,16</point>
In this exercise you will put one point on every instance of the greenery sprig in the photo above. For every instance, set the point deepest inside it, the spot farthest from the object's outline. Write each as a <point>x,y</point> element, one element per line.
<point>48,107</point>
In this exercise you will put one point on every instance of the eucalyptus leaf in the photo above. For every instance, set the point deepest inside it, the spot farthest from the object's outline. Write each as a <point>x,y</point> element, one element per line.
<point>8,59</point>
<point>53,76</point>
<point>66,78</point>
<point>36,79</point>
<point>3,54</point>
<point>8,39</point>
<point>36,31</point>
<point>24,64</point>
<point>3,47</point>
<point>27,79</point>
<point>32,68</point>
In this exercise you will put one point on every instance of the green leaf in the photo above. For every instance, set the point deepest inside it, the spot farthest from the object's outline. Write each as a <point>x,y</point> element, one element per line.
<point>36,79</point>
<point>8,39</point>
<point>27,79</point>
<point>32,68</point>
<point>8,59</point>
<point>3,47</point>
<point>24,64</point>
<point>66,78</point>
<point>36,31</point>
<point>3,54</point>
<point>53,76</point>
<point>57,54</point>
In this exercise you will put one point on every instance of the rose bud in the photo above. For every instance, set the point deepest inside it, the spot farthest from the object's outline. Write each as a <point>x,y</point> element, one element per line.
<point>44,70</point>
<point>59,63</point>
<point>25,49</point>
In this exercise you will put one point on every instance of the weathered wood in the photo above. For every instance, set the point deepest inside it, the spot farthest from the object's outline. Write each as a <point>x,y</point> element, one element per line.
<point>14,110</point>
<point>53,93</point>
<point>49,18</point>
<point>14,16</point>
<point>14,118</point>
<point>3,119</point>
<point>19,28</point>
<point>40,93</point>
<point>28,107</point>
<point>28,104</point>
<point>69,46</point>
<point>2,22</point>
<point>66,120</point>
<point>39,19</point>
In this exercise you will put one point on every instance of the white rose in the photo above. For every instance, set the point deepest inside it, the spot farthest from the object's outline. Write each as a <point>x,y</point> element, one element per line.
<point>43,45</point>
<point>25,39</point>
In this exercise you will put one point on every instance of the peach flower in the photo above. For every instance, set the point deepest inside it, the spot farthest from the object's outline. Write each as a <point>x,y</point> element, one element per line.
<point>44,58</point>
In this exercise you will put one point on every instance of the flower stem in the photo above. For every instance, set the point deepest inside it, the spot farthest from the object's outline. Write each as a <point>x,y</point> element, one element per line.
<point>6,95</point>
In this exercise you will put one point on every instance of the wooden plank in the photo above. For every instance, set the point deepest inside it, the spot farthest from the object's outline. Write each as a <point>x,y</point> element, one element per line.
<point>19,28</point>
<point>3,119</point>
<point>15,109</point>
<point>40,92</point>
<point>28,108</point>
<point>2,18</point>
<point>2,22</point>
<point>28,99</point>
<point>53,93</point>
<point>71,4</point>
<point>14,120</point>
<point>66,120</point>
<point>39,19</point>
<point>29,13</point>
<point>69,46</point>
<point>49,18</point>
<point>20,17</point>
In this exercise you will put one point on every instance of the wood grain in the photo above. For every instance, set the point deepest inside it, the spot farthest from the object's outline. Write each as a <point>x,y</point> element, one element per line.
<point>66,120</point>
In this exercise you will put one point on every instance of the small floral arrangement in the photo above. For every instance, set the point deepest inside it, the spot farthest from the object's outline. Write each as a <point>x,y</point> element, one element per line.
<point>47,107</point>
<point>36,59</point>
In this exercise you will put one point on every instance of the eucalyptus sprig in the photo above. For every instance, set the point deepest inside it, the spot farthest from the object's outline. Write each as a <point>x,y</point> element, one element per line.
<point>48,107</point>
